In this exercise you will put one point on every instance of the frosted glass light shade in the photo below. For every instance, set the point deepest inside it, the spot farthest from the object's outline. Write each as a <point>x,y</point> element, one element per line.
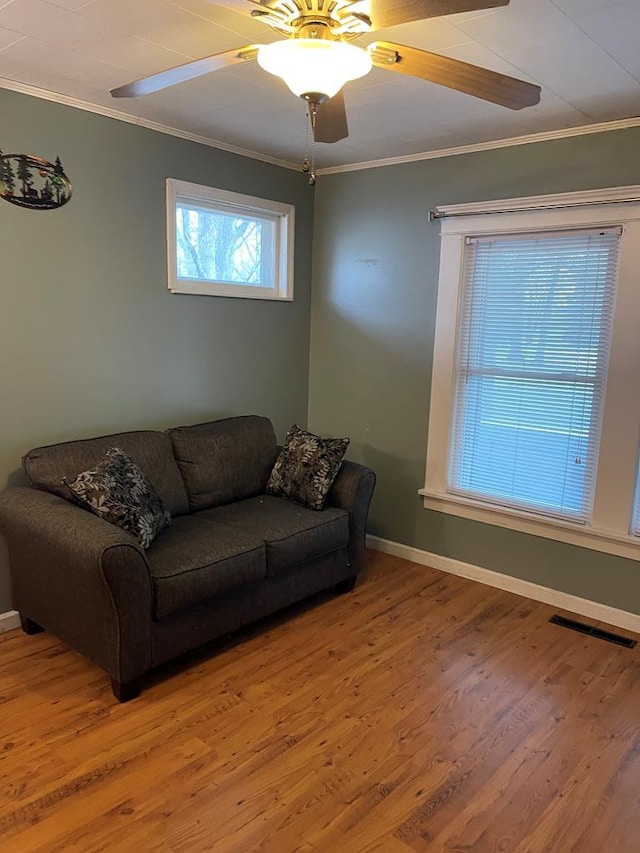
<point>314,66</point>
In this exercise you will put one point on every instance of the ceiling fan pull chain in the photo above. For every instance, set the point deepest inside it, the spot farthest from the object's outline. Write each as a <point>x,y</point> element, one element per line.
<point>314,115</point>
<point>309,162</point>
<point>306,166</point>
<point>312,173</point>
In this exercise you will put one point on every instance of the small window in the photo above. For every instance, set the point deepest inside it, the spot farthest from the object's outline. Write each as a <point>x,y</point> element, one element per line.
<point>222,243</point>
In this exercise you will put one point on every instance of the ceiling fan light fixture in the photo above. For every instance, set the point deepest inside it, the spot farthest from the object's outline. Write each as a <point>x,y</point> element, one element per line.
<point>315,69</point>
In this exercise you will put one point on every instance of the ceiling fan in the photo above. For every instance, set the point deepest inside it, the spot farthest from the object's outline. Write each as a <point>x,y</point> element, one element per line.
<point>315,58</point>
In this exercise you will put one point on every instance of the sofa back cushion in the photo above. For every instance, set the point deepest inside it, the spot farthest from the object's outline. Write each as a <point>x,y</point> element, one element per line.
<point>224,461</point>
<point>150,450</point>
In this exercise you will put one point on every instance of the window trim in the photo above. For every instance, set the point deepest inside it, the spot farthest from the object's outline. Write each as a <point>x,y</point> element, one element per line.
<point>610,528</point>
<point>284,216</point>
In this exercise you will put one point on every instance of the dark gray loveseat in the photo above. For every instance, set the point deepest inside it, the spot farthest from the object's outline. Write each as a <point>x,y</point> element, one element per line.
<point>233,554</point>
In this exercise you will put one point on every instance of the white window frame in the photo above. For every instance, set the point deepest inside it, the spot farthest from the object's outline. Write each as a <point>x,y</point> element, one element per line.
<point>610,524</point>
<point>245,205</point>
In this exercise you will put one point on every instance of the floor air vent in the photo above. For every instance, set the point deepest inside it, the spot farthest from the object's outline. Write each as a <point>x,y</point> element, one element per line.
<point>593,632</point>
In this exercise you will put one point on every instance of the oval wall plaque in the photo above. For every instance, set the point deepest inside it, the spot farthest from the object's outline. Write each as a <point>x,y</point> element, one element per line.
<point>32,182</point>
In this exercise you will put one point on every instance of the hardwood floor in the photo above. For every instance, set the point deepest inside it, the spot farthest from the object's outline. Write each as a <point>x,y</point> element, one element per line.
<point>420,712</point>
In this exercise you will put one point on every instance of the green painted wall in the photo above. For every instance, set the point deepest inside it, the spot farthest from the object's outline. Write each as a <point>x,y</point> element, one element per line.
<point>91,340</point>
<point>373,313</point>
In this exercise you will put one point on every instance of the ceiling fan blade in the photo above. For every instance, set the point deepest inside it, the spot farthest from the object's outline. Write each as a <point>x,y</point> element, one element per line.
<point>387,13</point>
<point>331,120</point>
<point>188,71</point>
<point>454,74</point>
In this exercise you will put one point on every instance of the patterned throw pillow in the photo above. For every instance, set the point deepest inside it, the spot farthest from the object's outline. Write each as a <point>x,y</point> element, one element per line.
<point>306,467</point>
<point>118,491</point>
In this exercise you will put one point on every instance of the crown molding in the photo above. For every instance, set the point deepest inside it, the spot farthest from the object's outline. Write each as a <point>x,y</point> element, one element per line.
<point>98,109</point>
<point>566,133</point>
<point>108,112</point>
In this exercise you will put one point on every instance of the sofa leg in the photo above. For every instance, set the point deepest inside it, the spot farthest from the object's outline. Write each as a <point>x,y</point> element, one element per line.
<point>346,585</point>
<point>125,691</point>
<point>29,626</point>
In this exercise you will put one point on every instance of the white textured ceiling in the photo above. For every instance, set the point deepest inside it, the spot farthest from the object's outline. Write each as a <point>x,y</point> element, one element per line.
<point>584,53</point>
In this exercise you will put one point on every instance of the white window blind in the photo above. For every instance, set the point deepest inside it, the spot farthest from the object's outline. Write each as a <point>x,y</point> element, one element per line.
<point>533,340</point>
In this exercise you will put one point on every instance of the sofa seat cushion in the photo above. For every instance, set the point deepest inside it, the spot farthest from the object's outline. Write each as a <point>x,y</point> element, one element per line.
<point>196,559</point>
<point>292,533</point>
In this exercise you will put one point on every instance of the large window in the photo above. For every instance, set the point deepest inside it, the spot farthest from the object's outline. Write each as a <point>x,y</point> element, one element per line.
<point>534,334</point>
<point>226,244</point>
<point>532,422</point>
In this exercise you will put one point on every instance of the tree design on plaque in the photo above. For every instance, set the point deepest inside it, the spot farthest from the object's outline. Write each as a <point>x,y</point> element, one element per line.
<point>32,182</point>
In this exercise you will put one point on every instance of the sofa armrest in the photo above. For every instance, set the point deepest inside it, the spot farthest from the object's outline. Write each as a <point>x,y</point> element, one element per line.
<point>352,491</point>
<point>80,577</point>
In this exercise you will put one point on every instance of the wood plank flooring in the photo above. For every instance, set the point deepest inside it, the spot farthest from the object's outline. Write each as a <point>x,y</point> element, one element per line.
<point>422,712</point>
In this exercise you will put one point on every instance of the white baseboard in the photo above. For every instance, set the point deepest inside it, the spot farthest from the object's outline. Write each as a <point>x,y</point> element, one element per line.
<point>9,621</point>
<point>562,600</point>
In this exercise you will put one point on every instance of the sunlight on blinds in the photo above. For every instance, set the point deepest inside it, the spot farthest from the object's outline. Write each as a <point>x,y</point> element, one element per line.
<point>533,341</point>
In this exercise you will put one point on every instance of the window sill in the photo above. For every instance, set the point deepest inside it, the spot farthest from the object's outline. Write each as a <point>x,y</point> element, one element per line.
<point>584,536</point>
<point>193,287</point>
